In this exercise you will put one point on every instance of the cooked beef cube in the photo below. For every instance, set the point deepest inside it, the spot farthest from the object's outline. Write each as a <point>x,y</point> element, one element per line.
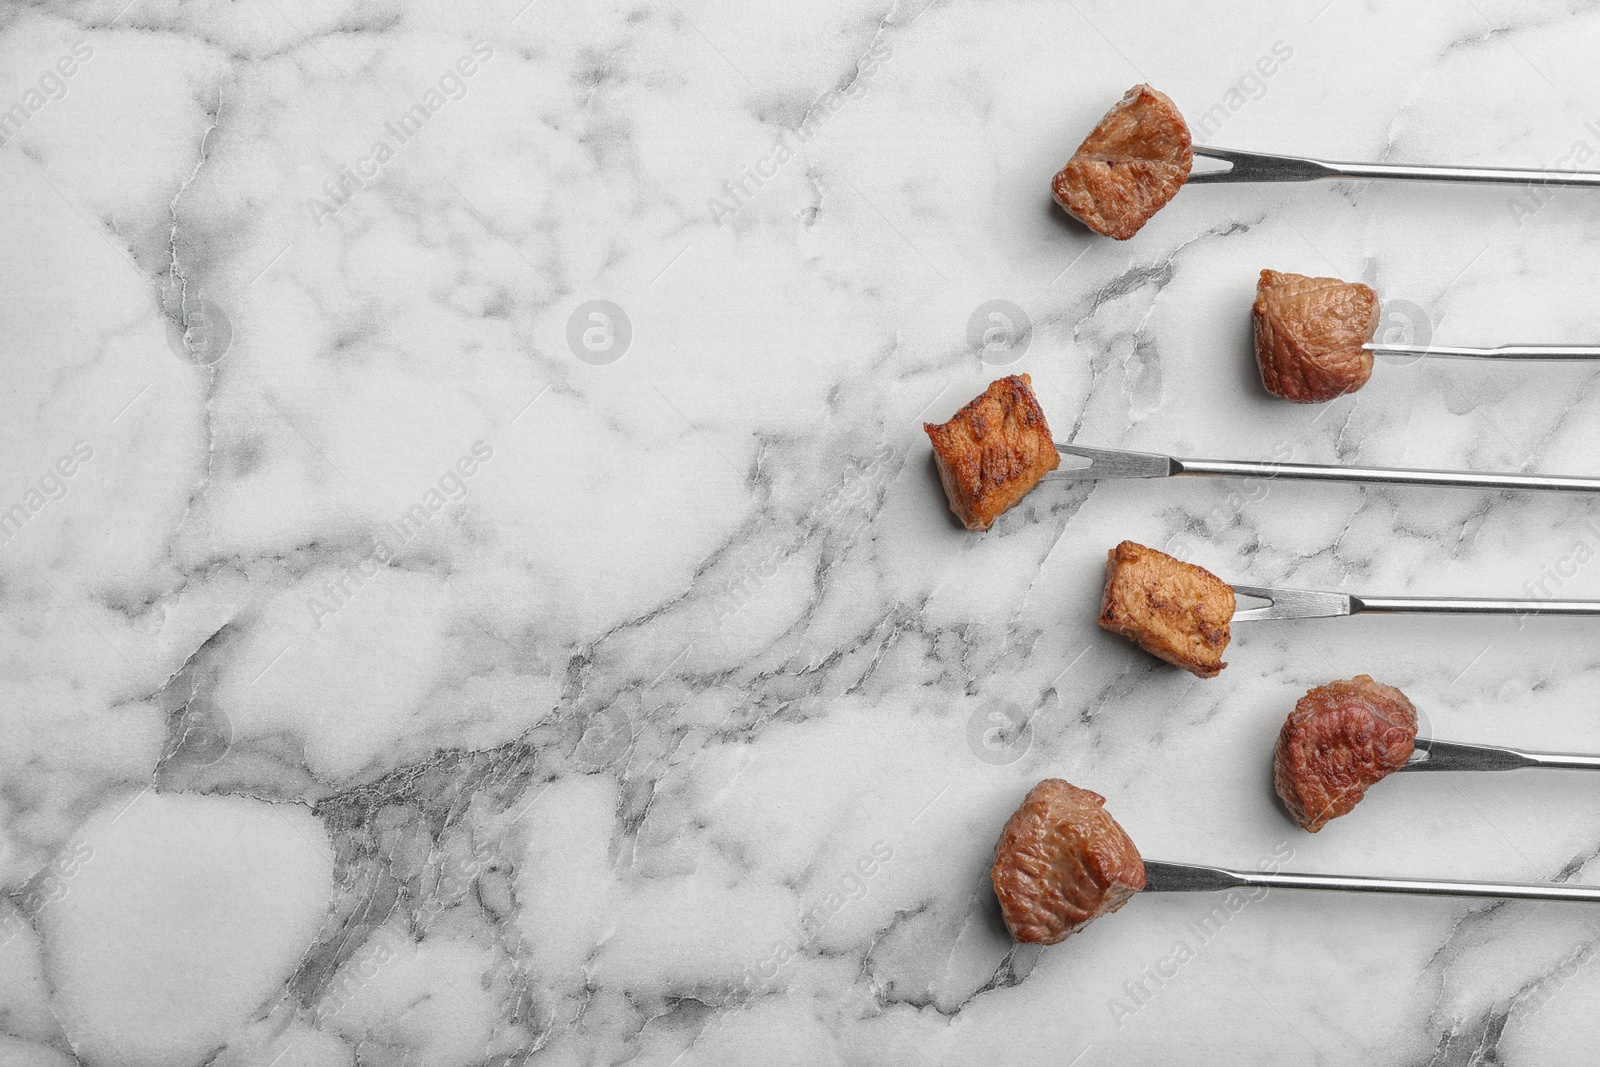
<point>993,451</point>
<point>1129,167</point>
<point>1309,333</point>
<point>1169,608</point>
<point>1062,862</point>
<point>1340,740</point>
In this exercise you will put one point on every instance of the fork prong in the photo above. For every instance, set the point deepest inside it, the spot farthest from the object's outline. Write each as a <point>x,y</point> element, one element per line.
<point>1259,167</point>
<point>1113,463</point>
<point>1291,604</point>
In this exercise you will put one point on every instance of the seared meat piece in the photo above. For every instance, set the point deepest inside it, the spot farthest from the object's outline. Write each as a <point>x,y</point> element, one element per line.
<point>1171,609</point>
<point>1309,333</point>
<point>993,451</point>
<point>1129,167</point>
<point>1062,862</point>
<point>1341,739</point>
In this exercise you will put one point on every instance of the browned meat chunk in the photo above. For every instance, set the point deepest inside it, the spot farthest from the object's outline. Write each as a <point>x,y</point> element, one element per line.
<point>993,451</point>
<point>1340,740</point>
<point>1129,167</point>
<point>1309,333</point>
<point>1169,608</point>
<point>1062,862</point>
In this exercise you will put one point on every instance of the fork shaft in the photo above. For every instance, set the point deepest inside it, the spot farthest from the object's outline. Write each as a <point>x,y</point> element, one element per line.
<point>1432,755</point>
<point>1163,877</point>
<point>1508,352</point>
<point>1269,167</point>
<point>1391,605</point>
<point>1385,476</point>
<point>1510,175</point>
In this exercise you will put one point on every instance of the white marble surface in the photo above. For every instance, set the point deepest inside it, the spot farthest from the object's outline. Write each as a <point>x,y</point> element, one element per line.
<point>661,735</point>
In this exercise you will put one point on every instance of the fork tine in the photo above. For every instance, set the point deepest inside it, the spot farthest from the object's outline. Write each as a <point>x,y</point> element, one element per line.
<point>1259,167</point>
<point>1291,604</point>
<point>1113,463</point>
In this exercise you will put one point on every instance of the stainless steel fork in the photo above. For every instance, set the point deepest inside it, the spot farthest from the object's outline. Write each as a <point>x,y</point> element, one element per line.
<point>1318,604</point>
<point>1265,167</point>
<point>1163,877</point>
<point>1430,755</point>
<point>1115,463</point>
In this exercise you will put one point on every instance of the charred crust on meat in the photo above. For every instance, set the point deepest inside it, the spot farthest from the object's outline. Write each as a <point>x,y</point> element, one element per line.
<point>993,451</point>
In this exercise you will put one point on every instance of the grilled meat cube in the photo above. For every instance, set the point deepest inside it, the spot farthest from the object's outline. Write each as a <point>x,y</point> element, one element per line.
<point>1171,609</point>
<point>1340,740</point>
<point>993,451</point>
<point>1062,862</point>
<point>1126,170</point>
<point>1309,333</point>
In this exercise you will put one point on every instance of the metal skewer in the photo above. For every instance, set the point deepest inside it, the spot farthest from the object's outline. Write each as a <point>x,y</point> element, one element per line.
<point>1509,352</point>
<point>1114,463</point>
<point>1160,877</point>
<point>1265,167</point>
<point>1432,755</point>
<point>1318,604</point>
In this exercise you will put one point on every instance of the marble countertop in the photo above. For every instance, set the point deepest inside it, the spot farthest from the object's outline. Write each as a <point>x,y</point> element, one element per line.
<point>476,590</point>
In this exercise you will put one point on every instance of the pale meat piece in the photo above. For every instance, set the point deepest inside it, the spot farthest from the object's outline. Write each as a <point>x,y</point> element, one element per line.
<point>1062,862</point>
<point>1171,609</point>
<point>1340,740</point>
<point>993,451</point>
<point>1309,333</point>
<point>1129,166</point>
